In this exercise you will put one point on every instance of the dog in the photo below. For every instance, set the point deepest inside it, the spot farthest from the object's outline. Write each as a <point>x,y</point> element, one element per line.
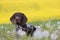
<point>22,28</point>
<point>33,31</point>
<point>20,20</point>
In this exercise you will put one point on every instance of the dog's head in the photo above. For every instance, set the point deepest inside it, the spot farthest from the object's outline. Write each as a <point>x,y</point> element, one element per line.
<point>18,18</point>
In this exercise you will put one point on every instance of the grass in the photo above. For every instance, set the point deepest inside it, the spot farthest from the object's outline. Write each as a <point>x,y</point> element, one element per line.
<point>9,27</point>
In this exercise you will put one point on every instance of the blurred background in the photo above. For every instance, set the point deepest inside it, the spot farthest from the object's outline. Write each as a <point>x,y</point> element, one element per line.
<point>39,10</point>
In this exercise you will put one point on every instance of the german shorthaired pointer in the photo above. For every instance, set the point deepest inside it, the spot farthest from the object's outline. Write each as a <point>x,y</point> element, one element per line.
<point>19,20</point>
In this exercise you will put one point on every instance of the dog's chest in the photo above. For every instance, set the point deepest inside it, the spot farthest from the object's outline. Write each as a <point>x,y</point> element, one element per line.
<point>29,29</point>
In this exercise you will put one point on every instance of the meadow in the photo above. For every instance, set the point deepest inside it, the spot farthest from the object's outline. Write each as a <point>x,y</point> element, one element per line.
<point>38,10</point>
<point>51,26</point>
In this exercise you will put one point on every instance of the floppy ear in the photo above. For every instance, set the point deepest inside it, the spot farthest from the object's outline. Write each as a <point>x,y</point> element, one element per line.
<point>24,19</point>
<point>12,19</point>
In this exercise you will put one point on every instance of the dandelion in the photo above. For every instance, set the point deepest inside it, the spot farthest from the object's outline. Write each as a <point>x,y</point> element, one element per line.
<point>21,33</point>
<point>54,36</point>
<point>48,24</point>
<point>45,33</point>
<point>39,27</point>
<point>38,34</point>
<point>58,22</point>
<point>58,27</point>
<point>8,32</point>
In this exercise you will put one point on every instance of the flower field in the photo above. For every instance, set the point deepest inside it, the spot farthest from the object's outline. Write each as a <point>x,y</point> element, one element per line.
<point>51,31</point>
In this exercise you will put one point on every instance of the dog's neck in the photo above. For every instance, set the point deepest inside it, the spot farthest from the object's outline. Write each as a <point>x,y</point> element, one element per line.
<point>20,24</point>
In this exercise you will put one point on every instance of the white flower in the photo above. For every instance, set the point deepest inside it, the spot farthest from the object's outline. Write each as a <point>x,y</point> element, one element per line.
<point>38,34</point>
<point>21,33</point>
<point>58,27</point>
<point>39,27</point>
<point>54,36</point>
<point>8,32</point>
<point>48,24</point>
<point>58,23</point>
<point>45,33</point>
